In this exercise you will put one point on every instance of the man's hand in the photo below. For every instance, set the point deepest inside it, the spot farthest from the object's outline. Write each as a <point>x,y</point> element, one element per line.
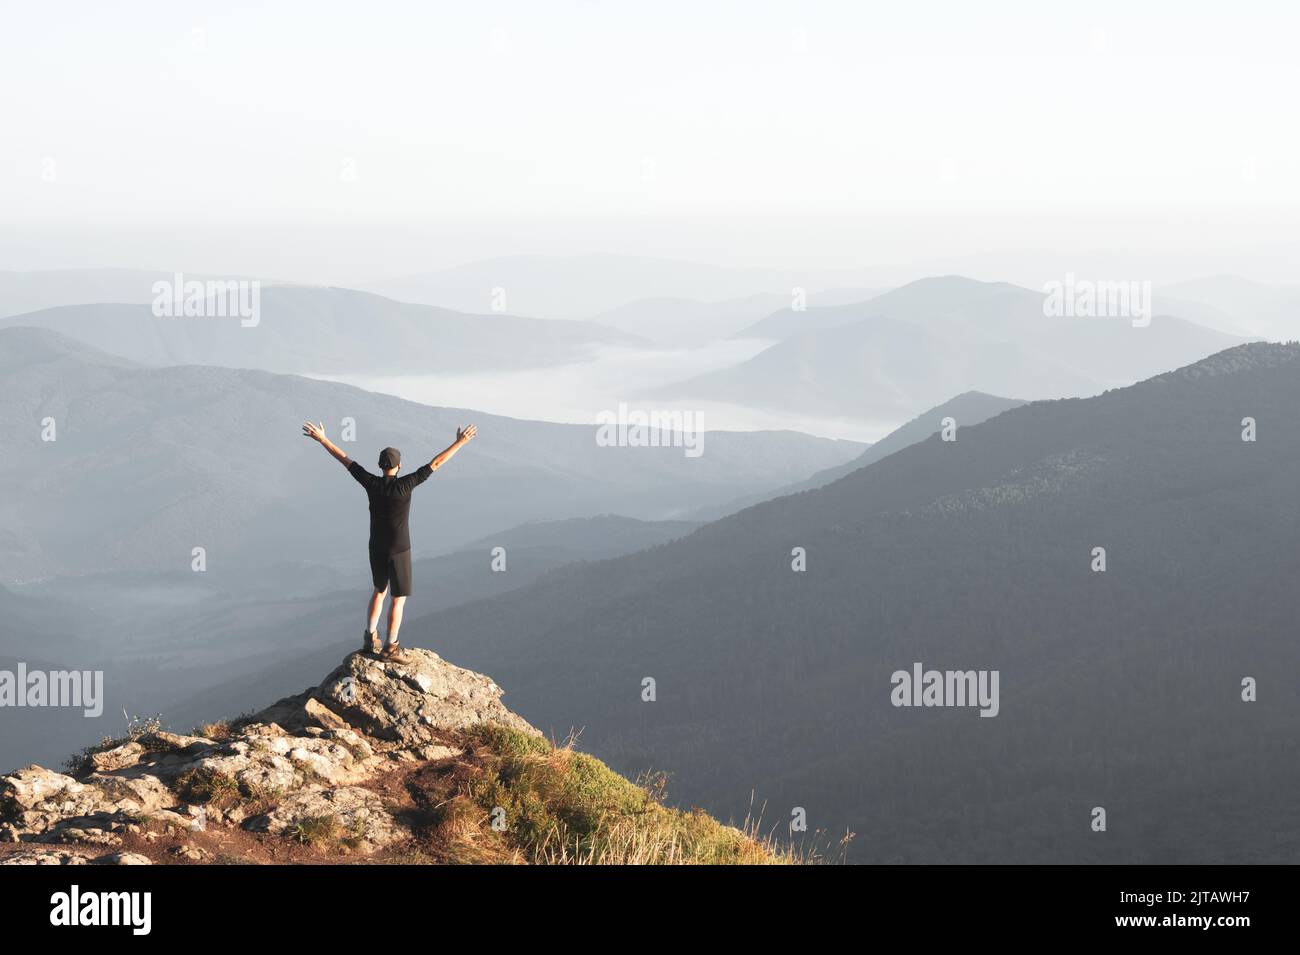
<point>317,433</point>
<point>463,437</point>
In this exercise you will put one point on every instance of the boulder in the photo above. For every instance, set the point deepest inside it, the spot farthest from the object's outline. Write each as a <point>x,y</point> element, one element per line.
<point>36,799</point>
<point>139,795</point>
<point>119,757</point>
<point>409,703</point>
<point>122,858</point>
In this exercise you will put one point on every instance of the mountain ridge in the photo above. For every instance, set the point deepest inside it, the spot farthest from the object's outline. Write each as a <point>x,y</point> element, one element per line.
<point>310,330</point>
<point>968,408</point>
<point>912,347</point>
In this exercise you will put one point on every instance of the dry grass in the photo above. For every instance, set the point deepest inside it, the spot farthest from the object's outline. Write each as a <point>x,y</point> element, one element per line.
<point>208,787</point>
<point>217,732</point>
<point>316,830</point>
<point>520,799</point>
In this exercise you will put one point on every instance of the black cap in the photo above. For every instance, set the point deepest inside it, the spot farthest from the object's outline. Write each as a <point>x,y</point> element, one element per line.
<point>389,458</point>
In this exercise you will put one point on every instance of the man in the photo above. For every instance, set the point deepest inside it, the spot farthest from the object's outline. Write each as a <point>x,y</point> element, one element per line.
<point>390,539</point>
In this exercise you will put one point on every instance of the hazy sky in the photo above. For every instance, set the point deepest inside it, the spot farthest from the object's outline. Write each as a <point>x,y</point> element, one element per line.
<point>311,139</point>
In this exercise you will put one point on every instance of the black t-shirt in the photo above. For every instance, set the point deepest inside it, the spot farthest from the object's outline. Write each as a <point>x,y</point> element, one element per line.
<point>390,504</point>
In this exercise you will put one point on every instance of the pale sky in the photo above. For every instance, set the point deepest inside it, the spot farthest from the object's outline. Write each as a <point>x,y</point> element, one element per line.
<point>498,127</point>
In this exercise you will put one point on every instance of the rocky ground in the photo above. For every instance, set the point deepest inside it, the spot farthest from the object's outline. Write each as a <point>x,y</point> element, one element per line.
<point>315,777</point>
<point>380,763</point>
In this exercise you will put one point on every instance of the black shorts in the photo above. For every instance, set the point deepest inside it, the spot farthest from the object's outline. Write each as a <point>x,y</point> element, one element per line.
<point>394,569</point>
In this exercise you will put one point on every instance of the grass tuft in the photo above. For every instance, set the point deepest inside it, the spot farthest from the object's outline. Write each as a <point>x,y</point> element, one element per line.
<point>527,800</point>
<point>210,787</point>
<point>316,830</point>
<point>218,731</point>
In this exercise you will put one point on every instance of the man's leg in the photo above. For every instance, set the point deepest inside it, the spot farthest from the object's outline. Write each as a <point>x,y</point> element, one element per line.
<point>395,618</point>
<point>399,570</point>
<point>375,608</point>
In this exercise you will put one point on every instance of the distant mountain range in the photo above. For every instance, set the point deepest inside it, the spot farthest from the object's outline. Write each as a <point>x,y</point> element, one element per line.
<point>329,331</point>
<point>22,292</point>
<point>909,349</point>
<point>586,286</point>
<point>681,322</point>
<point>201,456</point>
<point>1120,688</point>
<point>1235,305</point>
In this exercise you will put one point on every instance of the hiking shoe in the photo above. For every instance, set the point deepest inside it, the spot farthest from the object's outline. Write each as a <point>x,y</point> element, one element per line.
<point>395,654</point>
<point>370,643</point>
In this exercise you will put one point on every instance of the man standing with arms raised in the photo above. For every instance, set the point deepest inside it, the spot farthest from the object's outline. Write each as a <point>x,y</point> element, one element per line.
<point>390,538</point>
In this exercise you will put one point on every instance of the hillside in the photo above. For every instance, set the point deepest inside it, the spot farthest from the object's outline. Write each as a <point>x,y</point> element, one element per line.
<point>911,348</point>
<point>307,330</point>
<point>1120,688</point>
<point>965,410</point>
<point>415,763</point>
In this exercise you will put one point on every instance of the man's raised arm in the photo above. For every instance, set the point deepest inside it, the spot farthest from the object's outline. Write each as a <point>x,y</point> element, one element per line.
<point>317,433</point>
<point>463,437</point>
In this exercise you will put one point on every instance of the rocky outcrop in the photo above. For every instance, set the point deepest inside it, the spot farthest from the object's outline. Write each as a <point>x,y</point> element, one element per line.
<point>408,705</point>
<point>43,806</point>
<point>297,770</point>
